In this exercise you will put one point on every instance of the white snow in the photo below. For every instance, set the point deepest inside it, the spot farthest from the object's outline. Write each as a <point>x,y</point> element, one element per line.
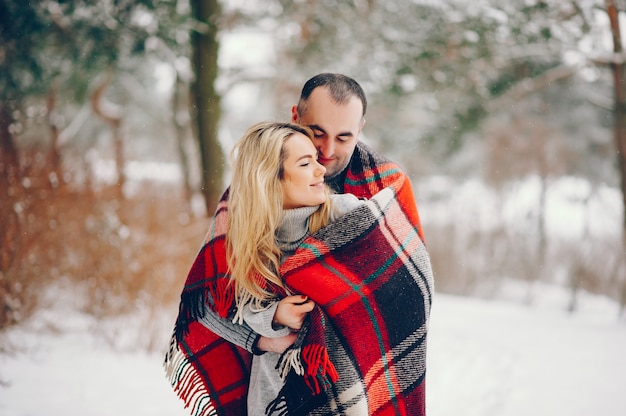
<point>64,362</point>
<point>486,357</point>
<point>505,358</point>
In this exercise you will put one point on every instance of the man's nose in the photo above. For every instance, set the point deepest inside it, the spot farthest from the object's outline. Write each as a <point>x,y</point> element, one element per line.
<point>326,149</point>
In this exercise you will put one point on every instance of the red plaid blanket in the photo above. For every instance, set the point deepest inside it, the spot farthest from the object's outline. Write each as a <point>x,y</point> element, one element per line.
<point>369,273</point>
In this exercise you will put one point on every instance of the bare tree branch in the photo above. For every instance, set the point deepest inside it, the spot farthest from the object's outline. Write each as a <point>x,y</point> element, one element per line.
<point>529,86</point>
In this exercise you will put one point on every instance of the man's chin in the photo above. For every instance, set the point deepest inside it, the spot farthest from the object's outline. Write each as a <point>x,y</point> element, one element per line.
<point>330,169</point>
<point>333,170</point>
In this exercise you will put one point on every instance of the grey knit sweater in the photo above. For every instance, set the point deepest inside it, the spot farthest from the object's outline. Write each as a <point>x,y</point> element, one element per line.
<point>265,383</point>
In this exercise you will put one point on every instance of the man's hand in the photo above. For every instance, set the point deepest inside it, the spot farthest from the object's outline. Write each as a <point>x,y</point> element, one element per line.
<point>278,345</point>
<point>292,310</point>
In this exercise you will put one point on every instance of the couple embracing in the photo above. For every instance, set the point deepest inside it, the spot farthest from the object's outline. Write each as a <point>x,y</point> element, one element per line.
<point>311,293</point>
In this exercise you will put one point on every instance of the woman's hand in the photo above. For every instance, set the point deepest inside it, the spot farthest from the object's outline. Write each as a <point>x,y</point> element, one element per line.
<point>292,310</point>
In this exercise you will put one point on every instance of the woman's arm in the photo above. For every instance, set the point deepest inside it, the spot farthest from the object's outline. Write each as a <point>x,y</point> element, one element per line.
<point>279,318</point>
<point>292,310</point>
<point>262,320</point>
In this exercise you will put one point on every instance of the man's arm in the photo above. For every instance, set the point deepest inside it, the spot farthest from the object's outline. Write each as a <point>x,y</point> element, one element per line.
<point>243,336</point>
<point>279,345</point>
<point>240,335</point>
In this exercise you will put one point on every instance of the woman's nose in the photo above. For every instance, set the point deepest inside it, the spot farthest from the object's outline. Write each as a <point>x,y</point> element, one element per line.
<point>321,169</point>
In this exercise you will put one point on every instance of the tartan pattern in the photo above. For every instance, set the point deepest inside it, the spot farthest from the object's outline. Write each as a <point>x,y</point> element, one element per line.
<point>364,271</point>
<point>208,373</point>
<point>233,367</point>
<point>373,281</point>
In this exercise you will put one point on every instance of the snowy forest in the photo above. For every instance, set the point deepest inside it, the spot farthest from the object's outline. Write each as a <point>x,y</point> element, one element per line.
<point>116,118</point>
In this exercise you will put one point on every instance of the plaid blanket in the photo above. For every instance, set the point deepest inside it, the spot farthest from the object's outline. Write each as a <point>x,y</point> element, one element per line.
<point>364,271</point>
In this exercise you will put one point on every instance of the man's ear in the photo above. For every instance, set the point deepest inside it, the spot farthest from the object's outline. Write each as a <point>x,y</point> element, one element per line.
<point>362,124</point>
<point>294,113</point>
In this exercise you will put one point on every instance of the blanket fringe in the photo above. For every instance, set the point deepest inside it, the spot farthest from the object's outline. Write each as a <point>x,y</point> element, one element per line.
<point>187,383</point>
<point>290,361</point>
<point>278,406</point>
<point>320,371</point>
<point>192,304</point>
<point>223,294</point>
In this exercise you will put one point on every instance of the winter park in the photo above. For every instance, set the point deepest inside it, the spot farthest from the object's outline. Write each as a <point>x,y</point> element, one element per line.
<point>116,124</point>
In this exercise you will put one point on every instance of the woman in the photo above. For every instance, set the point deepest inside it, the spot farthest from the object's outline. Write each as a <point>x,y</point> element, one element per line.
<point>281,257</point>
<point>277,197</point>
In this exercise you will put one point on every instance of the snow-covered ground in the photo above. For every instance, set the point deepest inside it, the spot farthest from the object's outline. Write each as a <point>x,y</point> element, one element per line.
<point>486,357</point>
<point>505,358</point>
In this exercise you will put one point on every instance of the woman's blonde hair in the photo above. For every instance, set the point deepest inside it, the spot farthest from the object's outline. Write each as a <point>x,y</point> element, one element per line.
<point>255,205</point>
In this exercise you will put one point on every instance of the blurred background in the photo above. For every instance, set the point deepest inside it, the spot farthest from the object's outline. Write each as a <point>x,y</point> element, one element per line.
<point>116,118</point>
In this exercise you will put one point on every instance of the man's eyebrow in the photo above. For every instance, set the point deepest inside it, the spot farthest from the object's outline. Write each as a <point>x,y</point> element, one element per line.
<point>316,127</point>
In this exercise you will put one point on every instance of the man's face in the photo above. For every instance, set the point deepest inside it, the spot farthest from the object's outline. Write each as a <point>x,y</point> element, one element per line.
<point>336,128</point>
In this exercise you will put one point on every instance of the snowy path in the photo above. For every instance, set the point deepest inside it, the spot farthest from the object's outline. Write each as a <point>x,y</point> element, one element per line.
<point>503,359</point>
<point>485,358</point>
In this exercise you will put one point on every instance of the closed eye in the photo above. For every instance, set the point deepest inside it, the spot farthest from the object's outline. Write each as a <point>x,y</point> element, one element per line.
<point>305,161</point>
<point>317,132</point>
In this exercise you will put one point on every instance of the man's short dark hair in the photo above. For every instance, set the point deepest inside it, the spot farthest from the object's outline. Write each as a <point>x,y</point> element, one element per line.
<point>341,88</point>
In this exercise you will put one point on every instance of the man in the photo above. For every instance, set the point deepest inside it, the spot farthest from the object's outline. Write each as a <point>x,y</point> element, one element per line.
<point>334,107</point>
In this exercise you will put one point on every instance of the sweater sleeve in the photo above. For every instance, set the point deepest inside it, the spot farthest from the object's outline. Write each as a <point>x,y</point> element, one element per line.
<point>261,321</point>
<point>342,204</point>
<point>240,335</point>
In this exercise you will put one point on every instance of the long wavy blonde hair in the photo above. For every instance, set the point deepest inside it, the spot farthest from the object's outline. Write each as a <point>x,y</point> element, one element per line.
<point>255,205</point>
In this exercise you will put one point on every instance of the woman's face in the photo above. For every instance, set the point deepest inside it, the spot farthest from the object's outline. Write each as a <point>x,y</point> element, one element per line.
<point>303,180</point>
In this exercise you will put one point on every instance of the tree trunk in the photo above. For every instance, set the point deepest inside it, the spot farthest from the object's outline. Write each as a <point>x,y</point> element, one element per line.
<point>9,160</point>
<point>112,115</point>
<point>179,128</point>
<point>619,132</point>
<point>542,243</point>
<point>10,229</point>
<point>205,99</point>
<point>54,156</point>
